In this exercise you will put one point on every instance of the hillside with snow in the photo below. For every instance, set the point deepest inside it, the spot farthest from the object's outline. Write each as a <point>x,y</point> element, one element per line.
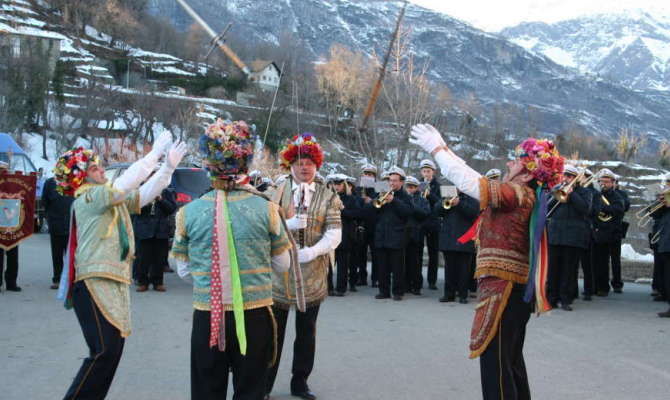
<point>632,47</point>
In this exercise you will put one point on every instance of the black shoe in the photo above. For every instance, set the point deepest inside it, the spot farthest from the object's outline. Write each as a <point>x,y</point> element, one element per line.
<point>601,293</point>
<point>445,299</point>
<point>416,292</point>
<point>13,288</point>
<point>432,286</point>
<point>397,297</point>
<point>618,290</point>
<point>307,395</point>
<point>566,307</point>
<point>382,296</point>
<point>338,294</point>
<point>331,293</point>
<point>586,297</point>
<point>374,284</point>
<point>463,300</point>
<point>473,295</point>
<point>664,314</point>
<point>659,298</point>
<point>352,288</point>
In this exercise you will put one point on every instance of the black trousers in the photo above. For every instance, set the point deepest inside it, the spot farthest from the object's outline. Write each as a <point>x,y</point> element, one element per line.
<point>457,273</point>
<point>58,248</point>
<point>658,281</point>
<point>362,259</point>
<point>615,254</point>
<point>391,262</point>
<point>665,260</point>
<point>413,276</point>
<point>586,261</point>
<point>346,270</point>
<point>12,272</point>
<point>502,367</point>
<point>105,346</point>
<point>432,242</point>
<point>602,252</point>
<point>304,347</point>
<point>473,267</point>
<point>562,262</point>
<point>210,367</point>
<point>153,253</point>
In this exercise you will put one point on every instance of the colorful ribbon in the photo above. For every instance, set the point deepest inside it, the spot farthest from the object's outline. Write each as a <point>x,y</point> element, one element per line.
<point>538,258</point>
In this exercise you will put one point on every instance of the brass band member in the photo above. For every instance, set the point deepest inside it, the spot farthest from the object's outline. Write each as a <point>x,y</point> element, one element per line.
<point>607,233</point>
<point>493,174</point>
<point>413,251</point>
<point>314,212</point>
<point>504,260</point>
<point>431,226</point>
<point>569,230</point>
<point>368,225</point>
<point>346,269</point>
<point>662,243</point>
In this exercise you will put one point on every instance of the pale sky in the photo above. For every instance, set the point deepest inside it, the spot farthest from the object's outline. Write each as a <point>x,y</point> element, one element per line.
<point>493,15</point>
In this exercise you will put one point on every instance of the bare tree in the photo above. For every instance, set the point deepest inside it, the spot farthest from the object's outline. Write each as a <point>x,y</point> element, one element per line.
<point>629,144</point>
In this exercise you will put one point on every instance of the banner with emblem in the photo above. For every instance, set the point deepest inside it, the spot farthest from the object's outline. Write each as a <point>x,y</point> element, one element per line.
<point>17,208</point>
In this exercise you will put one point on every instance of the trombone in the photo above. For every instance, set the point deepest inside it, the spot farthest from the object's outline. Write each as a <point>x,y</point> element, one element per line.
<point>656,237</point>
<point>448,202</point>
<point>588,181</point>
<point>604,217</point>
<point>645,215</point>
<point>562,193</point>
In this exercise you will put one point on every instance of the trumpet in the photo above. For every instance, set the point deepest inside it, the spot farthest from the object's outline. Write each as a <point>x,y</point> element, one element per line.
<point>604,217</point>
<point>645,215</point>
<point>379,201</point>
<point>448,203</point>
<point>588,181</point>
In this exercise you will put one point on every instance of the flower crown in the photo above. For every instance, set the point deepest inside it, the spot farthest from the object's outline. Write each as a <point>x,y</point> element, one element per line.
<point>227,148</point>
<point>541,158</point>
<point>70,170</point>
<point>303,145</point>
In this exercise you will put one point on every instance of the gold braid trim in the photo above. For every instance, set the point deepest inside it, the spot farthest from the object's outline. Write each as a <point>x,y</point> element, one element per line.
<point>275,338</point>
<point>484,194</point>
<point>499,313</point>
<point>98,302</point>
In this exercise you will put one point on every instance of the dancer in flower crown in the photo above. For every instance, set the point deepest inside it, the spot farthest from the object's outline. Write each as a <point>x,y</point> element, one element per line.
<point>229,241</point>
<point>96,277</point>
<point>512,258</point>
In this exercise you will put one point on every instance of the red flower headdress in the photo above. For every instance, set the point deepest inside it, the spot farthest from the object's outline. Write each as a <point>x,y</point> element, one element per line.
<point>70,170</point>
<point>541,158</point>
<point>301,146</point>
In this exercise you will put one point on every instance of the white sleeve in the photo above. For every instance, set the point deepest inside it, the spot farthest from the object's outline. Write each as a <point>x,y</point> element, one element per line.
<point>182,268</point>
<point>457,171</point>
<point>134,175</point>
<point>281,262</point>
<point>155,185</point>
<point>328,242</point>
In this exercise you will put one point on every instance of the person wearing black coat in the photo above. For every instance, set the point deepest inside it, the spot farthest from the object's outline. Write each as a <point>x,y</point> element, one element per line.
<point>568,233</point>
<point>663,249</point>
<point>658,280</point>
<point>152,231</point>
<point>455,220</point>
<point>607,230</point>
<point>413,251</point>
<point>57,209</point>
<point>586,256</point>
<point>431,226</point>
<point>617,282</point>
<point>367,226</point>
<point>390,236</point>
<point>346,268</point>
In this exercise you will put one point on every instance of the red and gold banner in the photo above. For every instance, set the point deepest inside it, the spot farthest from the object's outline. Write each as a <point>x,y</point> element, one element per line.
<point>17,208</point>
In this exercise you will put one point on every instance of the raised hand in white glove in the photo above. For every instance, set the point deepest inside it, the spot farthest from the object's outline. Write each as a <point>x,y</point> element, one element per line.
<point>161,144</point>
<point>299,221</point>
<point>426,137</point>
<point>176,153</point>
<point>306,255</point>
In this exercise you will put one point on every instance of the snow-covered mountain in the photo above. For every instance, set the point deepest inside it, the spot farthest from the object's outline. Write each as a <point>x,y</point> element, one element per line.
<point>632,48</point>
<point>467,60</point>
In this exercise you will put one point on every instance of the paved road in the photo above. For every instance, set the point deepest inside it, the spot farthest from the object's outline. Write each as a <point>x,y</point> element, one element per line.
<point>613,348</point>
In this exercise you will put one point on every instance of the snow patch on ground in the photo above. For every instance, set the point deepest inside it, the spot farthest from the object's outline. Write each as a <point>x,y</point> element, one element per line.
<point>628,253</point>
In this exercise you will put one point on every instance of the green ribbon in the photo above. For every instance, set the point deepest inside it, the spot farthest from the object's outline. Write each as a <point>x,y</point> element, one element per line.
<point>238,301</point>
<point>123,238</point>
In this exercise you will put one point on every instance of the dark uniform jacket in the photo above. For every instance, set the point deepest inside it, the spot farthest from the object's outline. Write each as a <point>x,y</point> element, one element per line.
<point>392,221</point>
<point>432,224</point>
<point>626,207</point>
<point>569,224</point>
<point>420,211</point>
<point>662,223</point>
<point>57,208</point>
<point>369,219</point>
<point>610,231</point>
<point>351,211</point>
<point>153,221</point>
<point>455,222</point>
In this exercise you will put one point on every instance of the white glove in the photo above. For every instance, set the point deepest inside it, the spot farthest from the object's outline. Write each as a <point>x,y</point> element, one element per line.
<point>176,153</point>
<point>426,137</point>
<point>306,255</point>
<point>161,144</point>
<point>299,221</point>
